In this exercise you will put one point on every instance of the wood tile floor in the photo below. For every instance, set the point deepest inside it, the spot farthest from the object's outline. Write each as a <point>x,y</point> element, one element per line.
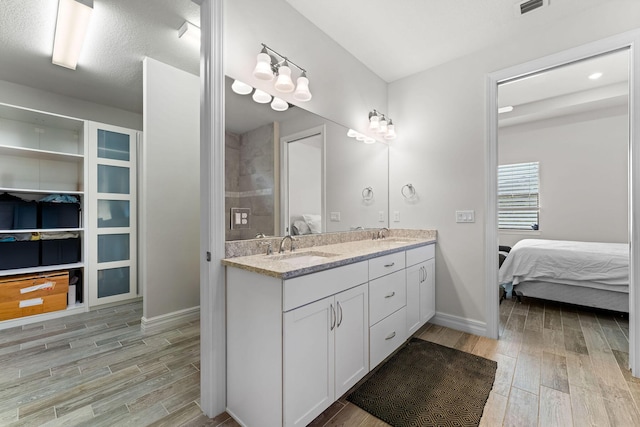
<point>557,366</point>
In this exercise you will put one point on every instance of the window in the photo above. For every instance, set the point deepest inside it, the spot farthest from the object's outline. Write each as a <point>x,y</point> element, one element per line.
<point>518,196</point>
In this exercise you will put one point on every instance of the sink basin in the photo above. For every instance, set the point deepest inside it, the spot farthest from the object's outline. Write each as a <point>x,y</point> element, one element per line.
<point>308,257</point>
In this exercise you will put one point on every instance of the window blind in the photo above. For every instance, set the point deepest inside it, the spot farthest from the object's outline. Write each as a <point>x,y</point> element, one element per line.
<point>518,196</point>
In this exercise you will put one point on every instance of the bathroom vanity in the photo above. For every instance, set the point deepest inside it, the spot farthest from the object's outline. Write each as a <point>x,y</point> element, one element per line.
<point>304,327</point>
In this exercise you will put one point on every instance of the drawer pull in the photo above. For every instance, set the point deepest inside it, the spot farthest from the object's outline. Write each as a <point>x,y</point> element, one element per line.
<point>390,265</point>
<point>391,336</point>
<point>333,317</point>
<point>30,302</point>
<point>46,285</point>
<point>339,314</point>
<point>390,295</point>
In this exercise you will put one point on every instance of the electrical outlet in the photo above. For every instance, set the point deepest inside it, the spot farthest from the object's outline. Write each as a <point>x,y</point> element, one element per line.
<point>381,217</point>
<point>465,216</point>
<point>335,216</point>
<point>396,216</point>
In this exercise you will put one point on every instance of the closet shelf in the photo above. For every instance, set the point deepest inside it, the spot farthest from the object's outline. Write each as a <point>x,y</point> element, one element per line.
<point>32,153</point>
<point>40,269</point>
<point>36,191</point>
<point>40,230</point>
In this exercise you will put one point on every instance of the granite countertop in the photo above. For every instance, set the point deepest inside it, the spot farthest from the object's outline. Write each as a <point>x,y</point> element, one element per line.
<point>317,258</point>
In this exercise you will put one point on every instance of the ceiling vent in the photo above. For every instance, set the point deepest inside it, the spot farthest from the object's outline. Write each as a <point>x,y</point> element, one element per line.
<point>529,6</point>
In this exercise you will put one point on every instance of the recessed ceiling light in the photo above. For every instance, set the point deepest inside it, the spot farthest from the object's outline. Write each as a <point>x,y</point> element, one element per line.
<point>506,109</point>
<point>595,76</point>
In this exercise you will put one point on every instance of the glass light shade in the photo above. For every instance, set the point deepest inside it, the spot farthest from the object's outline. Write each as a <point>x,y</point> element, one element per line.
<point>241,88</point>
<point>302,90</point>
<point>369,140</point>
<point>383,126</point>
<point>284,83</point>
<point>261,97</point>
<point>374,122</point>
<point>263,67</point>
<point>360,137</point>
<point>352,133</point>
<point>279,104</point>
<point>391,132</point>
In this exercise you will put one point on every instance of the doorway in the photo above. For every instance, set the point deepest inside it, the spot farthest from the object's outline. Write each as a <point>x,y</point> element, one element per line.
<point>624,41</point>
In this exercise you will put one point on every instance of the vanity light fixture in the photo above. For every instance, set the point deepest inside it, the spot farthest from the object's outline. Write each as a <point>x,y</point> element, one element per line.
<point>360,137</point>
<point>71,28</point>
<point>382,124</point>
<point>261,97</point>
<point>279,104</point>
<point>269,66</point>
<point>241,88</point>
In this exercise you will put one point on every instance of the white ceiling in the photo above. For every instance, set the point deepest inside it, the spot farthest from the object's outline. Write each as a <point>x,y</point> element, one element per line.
<point>394,39</point>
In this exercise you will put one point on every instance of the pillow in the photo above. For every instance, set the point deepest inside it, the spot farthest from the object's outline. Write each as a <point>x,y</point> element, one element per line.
<point>300,227</point>
<point>314,222</point>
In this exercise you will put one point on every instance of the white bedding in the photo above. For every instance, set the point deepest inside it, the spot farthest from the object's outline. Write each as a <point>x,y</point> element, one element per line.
<point>588,264</point>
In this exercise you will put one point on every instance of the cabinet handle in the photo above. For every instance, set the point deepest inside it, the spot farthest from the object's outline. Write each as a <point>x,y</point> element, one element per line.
<point>390,265</point>
<point>339,313</point>
<point>420,275</point>
<point>333,317</point>
<point>390,295</point>
<point>391,335</point>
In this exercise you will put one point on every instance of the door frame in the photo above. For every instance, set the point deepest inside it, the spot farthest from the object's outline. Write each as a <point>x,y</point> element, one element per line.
<point>631,41</point>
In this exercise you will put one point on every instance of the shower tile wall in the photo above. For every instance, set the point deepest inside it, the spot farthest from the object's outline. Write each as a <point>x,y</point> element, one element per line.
<point>249,180</point>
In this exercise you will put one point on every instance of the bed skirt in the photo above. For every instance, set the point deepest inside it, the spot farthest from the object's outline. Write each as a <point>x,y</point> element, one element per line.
<point>589,297</point>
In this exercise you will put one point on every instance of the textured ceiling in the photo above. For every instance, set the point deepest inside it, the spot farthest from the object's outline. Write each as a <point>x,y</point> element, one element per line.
<point>394,39</point>
<point>109,71</point>
<point>398,38</point>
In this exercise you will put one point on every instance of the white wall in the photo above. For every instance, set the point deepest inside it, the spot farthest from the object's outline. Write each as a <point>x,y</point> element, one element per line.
<point>343,89</point>
<point>440,121</point>
<point>36,99</point>
<point>583,174</point>
<point>170,197</point>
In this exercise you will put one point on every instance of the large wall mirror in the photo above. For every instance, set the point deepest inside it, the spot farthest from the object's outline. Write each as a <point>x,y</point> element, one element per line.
<point>294,172</point>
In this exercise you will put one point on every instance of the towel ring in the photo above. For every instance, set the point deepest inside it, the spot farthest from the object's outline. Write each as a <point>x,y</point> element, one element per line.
<point>367,193</point>
<point>410,191</point>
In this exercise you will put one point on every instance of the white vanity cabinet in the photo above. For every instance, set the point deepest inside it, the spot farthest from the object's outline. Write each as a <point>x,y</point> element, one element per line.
<point>326,352</point>
<point>294,346</point>
<point>421,296</point>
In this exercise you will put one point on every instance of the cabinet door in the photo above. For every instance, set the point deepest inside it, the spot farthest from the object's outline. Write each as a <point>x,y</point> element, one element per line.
<point>112,204</point>
<point>414,278</point>
<point>308,361</point>
<point>428,292</point>
<point>351,338</point>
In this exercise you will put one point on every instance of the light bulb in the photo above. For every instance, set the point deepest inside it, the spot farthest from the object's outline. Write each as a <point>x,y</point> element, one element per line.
<point>302,89</point>
<point>352,133</point>
<point>374,121</point>
<point>263,67</point>
<point>382,128</point>
<point>261,97</point>
<point>279,104</point>
<point>284,83</point>
<point>391,132</point>
<point>241,88</point>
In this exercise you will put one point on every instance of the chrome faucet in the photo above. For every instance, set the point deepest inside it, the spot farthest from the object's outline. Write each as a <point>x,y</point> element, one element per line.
<point>381,234</point>
<point>288,236</point>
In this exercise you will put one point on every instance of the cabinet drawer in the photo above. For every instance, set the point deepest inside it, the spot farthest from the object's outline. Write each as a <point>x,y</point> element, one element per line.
<point>31,286</point>
<point>423,253</point>
<point>313,287</point>
<point>386,264</point>
<point>386,295</point>
<point>386,336</point>
<point>29,306</point>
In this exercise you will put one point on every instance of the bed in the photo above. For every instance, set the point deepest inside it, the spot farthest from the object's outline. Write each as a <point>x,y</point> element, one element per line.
<point>583,273</point>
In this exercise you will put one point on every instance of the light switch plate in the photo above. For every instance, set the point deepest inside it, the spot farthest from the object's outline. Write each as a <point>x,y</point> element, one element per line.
<point>465,216</point>
<point>381,216</point>
<point>396,216</point>
<point>335,216</point>
<point>240,218</point>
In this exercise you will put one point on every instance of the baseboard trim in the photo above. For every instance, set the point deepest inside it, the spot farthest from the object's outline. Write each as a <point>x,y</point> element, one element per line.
<point>460,324</point>
<point>170,319</point>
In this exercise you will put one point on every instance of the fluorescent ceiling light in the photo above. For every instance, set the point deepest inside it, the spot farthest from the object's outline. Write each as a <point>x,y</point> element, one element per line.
<point>71,27</point>
<point>189,31</point>
<point>595,76</point>
<point>506,109</point>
